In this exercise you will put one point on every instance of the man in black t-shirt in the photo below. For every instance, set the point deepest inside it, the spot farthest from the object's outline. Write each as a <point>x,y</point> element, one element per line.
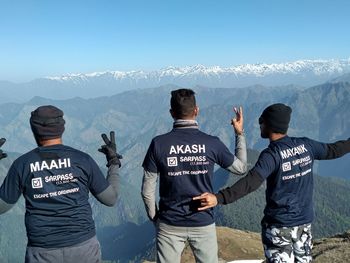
<point>55,181</point>
<point>183,160</point>
<point>287,167</point>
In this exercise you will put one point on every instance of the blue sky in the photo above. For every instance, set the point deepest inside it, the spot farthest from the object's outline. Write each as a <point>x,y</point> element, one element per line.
<point>48,38</point>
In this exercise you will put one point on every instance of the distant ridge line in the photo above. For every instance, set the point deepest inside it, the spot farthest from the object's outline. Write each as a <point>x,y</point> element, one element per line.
<point>317,66</point>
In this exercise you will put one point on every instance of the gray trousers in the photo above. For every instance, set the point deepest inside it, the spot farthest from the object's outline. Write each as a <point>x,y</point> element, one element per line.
<point>171,242</point>
<point>88,252</point>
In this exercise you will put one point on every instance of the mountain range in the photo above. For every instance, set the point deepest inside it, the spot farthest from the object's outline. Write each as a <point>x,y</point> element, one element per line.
<point>320,112</point>
<point>304,73</point>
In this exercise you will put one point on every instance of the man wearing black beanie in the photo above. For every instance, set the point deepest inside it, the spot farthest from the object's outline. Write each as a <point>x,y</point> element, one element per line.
<point>55,181</point>
<point>277,118</point>
<point>287,166</point>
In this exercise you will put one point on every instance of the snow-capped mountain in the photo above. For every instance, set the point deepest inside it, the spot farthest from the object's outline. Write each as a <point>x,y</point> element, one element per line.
<point>301,73</point>
<point>223,77</point>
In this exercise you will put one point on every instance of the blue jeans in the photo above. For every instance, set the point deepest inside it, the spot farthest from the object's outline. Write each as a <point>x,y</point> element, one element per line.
<point>171,242</point>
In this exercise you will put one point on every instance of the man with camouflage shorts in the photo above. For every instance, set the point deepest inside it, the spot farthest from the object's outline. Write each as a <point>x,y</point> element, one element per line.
<point>287,166</point>
<point>285,243</point>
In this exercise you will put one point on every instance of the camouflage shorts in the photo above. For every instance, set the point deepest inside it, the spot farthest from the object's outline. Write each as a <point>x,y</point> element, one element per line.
<point>287,244</point>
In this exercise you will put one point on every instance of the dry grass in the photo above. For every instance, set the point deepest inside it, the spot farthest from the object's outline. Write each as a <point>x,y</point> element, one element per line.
<point>239,245</point>
<point>334,250</point>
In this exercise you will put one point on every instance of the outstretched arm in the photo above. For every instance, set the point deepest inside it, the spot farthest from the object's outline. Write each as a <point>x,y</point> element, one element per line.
<point>328,151</point>
<point>264,167</point>
<point>148,193</point>
<point>337,149</point>
<point>241,188</point>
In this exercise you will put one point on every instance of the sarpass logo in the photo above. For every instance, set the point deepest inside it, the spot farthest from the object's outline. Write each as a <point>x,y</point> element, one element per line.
<point>172,161</point>
<point>37,183</point>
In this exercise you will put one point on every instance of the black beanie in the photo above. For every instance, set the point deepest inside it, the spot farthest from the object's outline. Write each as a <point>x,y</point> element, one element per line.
<point>47,122</point>
<point>277,117</point>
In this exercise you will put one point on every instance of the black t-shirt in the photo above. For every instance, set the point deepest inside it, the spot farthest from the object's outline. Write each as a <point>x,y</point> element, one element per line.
<point>287,165</point>
<point>184,159</point>
<point>55,182</point>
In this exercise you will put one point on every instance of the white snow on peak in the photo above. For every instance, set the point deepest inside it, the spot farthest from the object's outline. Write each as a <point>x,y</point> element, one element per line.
<point>317,67</point>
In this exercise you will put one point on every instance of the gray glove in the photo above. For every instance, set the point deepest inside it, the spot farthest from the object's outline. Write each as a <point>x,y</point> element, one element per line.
<point>110,150</point>
<point>2,154</point>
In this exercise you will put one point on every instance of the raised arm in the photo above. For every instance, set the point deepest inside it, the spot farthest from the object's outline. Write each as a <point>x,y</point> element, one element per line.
<point>109,196</point>
<point>10,190</point>
<point>239,165</point>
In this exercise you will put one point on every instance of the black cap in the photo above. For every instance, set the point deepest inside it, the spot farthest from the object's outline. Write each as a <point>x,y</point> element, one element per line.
<point>277,117</point>
<point>47,122</point>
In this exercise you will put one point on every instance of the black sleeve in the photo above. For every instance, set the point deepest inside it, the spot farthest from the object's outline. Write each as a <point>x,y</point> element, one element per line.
<point>241,188</point>
<point>337,149</point>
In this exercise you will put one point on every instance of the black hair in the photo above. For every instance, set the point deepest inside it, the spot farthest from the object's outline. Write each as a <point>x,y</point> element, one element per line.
<point>182,102</point>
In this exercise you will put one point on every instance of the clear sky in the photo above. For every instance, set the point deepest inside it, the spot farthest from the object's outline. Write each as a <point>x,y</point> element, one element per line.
<point>49,38</point>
